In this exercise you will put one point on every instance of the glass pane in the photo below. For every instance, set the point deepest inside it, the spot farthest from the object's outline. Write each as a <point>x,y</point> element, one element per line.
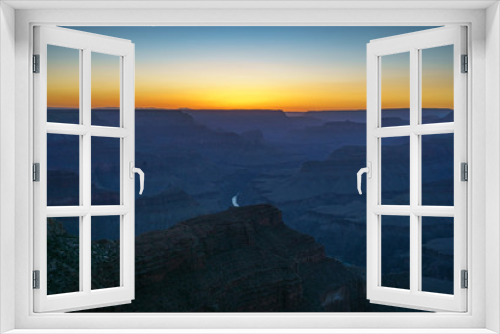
<point>63,170</point>
<point>63,255</point>
<point>105,171</point>
<point>395,89</point>
<point>105,89</point>
<point>437,169</point>
<point>437,254</point>
<point>437,84</point>
<point>396,251</point>
<point>395,179</point>
<point>63,85</point>
<point>105,235</point>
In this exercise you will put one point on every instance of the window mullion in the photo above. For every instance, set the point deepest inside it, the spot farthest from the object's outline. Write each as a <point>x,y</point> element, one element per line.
<point>86,164</point>
<point>414,170</point>
<point>85,246</point>
<point>418,190</point>
<point>81,195</point>
<point>86,138</point>
<point>122,176</point>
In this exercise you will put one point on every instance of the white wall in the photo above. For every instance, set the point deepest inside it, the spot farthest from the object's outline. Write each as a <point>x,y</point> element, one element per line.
<point>492,165</point>
<point>479,122</point>
<point>7,163</point>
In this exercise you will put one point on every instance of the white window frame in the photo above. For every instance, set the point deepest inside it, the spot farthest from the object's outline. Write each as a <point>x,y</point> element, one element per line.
<point>85,44</point>
<point>413,44</point>
<point>483,124</point>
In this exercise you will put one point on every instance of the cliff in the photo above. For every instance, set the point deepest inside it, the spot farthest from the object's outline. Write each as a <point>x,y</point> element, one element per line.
<point>240,260</point>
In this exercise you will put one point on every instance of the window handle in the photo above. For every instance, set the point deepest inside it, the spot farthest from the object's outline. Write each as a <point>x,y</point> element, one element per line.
<point>141,175</point>
<point>368,171</point>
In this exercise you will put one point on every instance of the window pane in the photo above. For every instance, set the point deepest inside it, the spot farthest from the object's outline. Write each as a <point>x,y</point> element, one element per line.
<point>63,170</point>
<point>437,254</point>
<point>437,169</point>
<point>395,178</point>
<point>63,255</point>
<point>395,89</point>
<point>437,84</point>
<point>105,171</point>
<point>396,251</point>
<point>105,232</point>
<point>63,85</point>
<point>105,89</point>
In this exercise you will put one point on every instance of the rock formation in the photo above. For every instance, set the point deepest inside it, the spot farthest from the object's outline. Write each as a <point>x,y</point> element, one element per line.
<point>241,260</point>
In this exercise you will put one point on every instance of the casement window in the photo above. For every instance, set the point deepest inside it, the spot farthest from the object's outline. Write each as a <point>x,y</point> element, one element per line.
<point>83,139</point>
<point>82,135</point>
<point>419,137</point>
<point>472,215</point>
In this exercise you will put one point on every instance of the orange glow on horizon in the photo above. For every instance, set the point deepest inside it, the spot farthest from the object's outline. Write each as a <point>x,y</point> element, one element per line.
<point>321,97</point>
<point>218,85</point>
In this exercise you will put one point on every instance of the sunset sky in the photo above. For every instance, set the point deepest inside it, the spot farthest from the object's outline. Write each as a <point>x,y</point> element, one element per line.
<point>289,68</point>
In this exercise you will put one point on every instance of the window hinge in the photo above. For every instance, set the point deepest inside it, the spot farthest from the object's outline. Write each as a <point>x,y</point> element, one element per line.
<point>36,279</point>
<point>465,63</point>
<point>465,279</point>
<point>36,63</point>
<point>464,171</point>
<point>36,172</point>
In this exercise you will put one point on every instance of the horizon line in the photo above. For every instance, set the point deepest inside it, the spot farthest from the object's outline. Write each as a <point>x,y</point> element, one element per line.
<point>243,109</point>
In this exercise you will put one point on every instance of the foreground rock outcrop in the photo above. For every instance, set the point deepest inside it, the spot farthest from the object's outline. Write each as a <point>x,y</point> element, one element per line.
<point>241,260</point>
